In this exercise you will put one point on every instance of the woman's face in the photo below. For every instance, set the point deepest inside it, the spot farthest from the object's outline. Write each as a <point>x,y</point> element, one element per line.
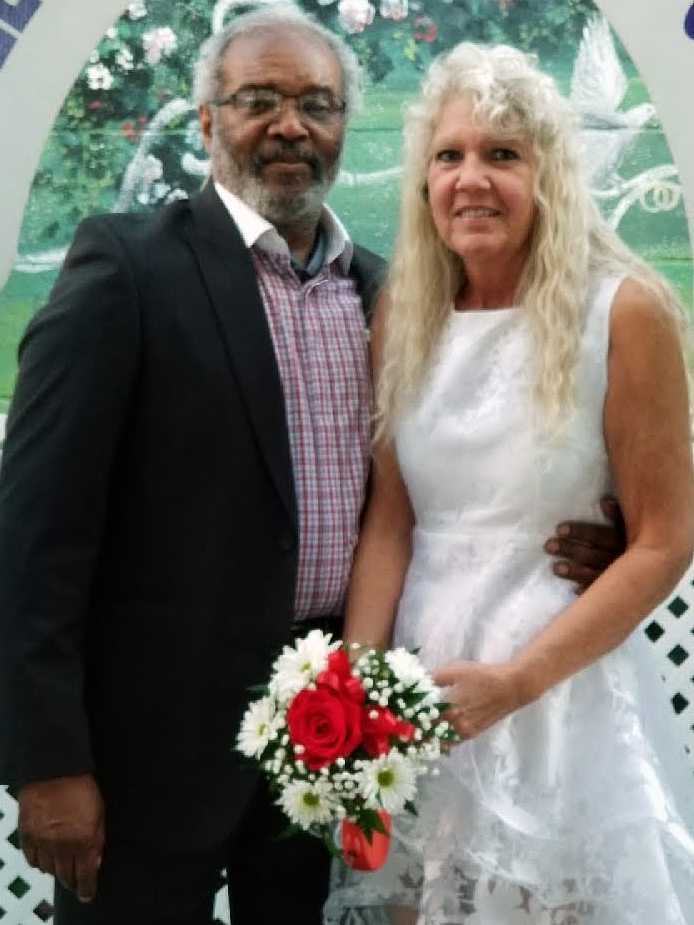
<point>480,190</point>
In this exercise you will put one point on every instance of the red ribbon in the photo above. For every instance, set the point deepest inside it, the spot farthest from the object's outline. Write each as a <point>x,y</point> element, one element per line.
<point>377,730</point>
<point>361,854</point>
<point>339,678</point>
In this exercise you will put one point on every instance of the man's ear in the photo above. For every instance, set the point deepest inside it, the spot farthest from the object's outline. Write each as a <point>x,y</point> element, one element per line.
<point>205,119</point>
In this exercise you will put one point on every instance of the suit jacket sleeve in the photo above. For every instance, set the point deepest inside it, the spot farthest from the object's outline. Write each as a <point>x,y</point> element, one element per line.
<point>77,368</point>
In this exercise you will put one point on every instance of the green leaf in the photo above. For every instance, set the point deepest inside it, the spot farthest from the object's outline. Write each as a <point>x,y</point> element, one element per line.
<point>330,844</point>
<point>292,829</point>
<point>370,822</point>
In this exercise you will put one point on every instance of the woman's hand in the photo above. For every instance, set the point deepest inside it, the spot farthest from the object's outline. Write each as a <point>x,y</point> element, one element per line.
<point>479,695</point>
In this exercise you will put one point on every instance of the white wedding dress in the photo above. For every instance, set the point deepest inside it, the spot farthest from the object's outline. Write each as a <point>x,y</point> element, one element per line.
<point>570,811</point>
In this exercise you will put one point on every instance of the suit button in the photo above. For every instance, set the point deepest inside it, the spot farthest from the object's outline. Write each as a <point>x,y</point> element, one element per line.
<point>286,542</point>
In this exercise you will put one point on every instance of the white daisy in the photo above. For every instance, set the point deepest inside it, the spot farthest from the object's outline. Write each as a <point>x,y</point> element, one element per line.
<point>308,803</point>
<point>259,726</point>
<point>298,665</point>
<point>408,669</point>
<point>388,782</point>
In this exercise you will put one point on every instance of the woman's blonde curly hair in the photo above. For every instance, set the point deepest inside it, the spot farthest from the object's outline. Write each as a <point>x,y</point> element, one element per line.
<point>571,242</point>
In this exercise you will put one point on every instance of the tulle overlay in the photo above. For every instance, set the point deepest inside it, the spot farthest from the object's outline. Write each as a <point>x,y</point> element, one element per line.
<point>576,809</point>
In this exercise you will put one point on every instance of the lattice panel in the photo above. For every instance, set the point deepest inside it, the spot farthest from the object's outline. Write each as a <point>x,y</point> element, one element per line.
<point>671,630</point>
<point>25,895</point>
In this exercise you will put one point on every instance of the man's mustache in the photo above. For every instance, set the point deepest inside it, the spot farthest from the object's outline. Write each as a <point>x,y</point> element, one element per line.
<point>288,152</point>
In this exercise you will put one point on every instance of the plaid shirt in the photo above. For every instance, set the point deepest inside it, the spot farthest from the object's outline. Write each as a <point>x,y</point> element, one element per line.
<point>317,329</point>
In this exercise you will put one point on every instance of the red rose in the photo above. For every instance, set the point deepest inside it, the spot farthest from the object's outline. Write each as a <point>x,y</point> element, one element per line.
<point>327,723</point>
<point>377,730</point>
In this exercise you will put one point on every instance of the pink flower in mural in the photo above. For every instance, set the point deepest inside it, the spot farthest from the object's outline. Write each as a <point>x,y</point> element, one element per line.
<point>129,131</point>
<point>355,15</point>
<point>158,43</point>
<point>427,30</point>
<point>393,9</point>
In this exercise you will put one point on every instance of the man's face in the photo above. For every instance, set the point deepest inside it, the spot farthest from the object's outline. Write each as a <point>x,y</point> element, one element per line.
<point>283,163</point>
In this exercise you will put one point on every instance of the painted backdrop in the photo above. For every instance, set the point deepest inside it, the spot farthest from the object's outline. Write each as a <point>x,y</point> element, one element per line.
<point>94,116</point>
<point>126,138</point>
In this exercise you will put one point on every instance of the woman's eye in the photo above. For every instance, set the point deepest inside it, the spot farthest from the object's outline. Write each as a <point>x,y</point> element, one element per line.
<point>504,154</point>
<point>448,156</point>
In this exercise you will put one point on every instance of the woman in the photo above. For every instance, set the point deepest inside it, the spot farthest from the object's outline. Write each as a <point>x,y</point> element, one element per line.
<point>527,363</point>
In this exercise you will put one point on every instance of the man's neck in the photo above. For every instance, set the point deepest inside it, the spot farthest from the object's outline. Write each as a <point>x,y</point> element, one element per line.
<point>300,239</point>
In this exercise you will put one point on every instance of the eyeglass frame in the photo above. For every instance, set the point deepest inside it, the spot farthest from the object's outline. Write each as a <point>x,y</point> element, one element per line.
<point>337,113</point>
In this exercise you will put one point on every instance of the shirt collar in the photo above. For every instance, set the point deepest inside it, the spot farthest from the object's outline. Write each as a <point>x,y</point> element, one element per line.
<point>255,230</point>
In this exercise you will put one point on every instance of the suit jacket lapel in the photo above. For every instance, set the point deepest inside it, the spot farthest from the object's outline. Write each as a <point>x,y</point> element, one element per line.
<point>230,279</point>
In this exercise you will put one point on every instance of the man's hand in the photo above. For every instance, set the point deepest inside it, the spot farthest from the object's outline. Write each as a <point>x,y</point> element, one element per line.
<point>61,830</point>
<point>588,549</point>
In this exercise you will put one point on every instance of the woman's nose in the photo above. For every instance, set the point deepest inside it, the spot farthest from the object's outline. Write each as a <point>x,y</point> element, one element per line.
<point>472,172</point>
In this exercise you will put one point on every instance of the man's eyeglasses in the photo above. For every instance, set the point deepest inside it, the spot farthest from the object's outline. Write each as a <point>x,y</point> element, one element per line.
<point>318,106</point>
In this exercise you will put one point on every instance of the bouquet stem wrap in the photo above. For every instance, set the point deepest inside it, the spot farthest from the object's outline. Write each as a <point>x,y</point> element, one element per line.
<point>361,853</point>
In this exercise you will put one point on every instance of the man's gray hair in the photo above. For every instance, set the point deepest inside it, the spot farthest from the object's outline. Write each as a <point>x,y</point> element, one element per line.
<point>207,74</point>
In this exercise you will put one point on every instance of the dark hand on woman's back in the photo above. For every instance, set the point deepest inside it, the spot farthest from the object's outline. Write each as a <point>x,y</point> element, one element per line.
<point>586,550</point>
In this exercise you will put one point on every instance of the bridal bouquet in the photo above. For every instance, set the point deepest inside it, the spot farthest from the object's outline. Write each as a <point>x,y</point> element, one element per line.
<point>342,744</point>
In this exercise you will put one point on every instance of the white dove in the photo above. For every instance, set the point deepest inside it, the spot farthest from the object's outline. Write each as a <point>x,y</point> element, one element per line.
<point>598,86</point>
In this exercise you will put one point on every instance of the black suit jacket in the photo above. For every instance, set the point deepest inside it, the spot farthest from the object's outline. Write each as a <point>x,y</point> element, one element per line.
<point>148,523</point>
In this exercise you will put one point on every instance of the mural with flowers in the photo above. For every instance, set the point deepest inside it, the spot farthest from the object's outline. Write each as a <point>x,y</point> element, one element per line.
<point>127,138</point>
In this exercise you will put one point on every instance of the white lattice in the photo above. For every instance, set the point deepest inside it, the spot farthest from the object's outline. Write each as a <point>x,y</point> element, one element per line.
<point>22,890</point>
<point>671,630</point>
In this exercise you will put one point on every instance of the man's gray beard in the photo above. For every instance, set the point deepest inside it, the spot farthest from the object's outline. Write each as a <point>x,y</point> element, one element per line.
<point>290,208</point>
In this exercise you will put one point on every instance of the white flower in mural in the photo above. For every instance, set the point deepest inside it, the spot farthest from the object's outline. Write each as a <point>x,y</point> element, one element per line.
<point>111,33</point>
<point>152,169</point>
<point>393,9</point>
<point>160,189</point>
<point>99,77</point>
<point>194,136</point>
<point>158,43</point>
<point>94,57</point>
<point>355,15</point>
<point>176,194</point>
<point>124,59</point>
<point>137,10</point>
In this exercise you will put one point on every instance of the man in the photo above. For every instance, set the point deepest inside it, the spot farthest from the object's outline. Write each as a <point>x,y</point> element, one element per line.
<point>184,469</point>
